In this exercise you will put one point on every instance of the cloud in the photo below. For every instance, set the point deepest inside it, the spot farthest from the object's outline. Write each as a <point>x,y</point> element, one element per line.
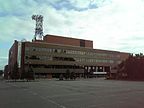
<point>76,5</point>
<point>14,28</point>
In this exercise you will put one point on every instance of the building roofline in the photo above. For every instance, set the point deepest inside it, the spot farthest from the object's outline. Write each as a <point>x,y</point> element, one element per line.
<point>110,51</point>
<point>66,37</point>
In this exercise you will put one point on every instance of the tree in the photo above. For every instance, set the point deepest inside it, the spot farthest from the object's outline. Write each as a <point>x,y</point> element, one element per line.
<point>132,68</point>
<point>30,73</point>
<point>15,72</point>
<point>67,75</point>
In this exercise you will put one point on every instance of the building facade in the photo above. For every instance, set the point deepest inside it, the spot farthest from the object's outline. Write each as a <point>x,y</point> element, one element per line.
<point>54,55</point>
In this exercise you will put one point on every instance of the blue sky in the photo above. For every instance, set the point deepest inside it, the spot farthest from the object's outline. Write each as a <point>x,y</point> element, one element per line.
<point>111,24</point>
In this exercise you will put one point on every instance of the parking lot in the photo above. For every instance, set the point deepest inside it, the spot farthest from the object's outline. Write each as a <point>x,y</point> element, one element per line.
<point>81,93</point>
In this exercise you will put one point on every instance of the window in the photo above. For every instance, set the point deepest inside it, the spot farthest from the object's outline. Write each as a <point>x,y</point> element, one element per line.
<point>26,57</point>
<point>34,49</point>
<point>27,48</point>
<point>111,61</point>
<point>59,50</point>
<point>63,59</point>
<point>55,51</point>
<point>34,57</point>
<point>82,43</point>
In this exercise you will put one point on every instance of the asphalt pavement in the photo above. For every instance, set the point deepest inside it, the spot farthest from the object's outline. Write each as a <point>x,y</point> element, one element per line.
<point>81,93</point>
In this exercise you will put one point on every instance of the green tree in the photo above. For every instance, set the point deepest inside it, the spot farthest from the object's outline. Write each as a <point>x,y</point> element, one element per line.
<point>15,72</point>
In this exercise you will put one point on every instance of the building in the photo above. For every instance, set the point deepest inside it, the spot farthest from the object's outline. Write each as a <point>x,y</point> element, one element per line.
<point>54,55</point>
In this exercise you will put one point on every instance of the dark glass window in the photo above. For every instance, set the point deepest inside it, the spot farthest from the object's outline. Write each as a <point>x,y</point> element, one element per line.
<point>34,57</point>
<point>82,43</point>
<point>55,51</point>
<point>63,59</point>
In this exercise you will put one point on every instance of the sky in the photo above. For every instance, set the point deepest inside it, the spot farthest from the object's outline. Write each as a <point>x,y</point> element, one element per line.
<point>112,24</point>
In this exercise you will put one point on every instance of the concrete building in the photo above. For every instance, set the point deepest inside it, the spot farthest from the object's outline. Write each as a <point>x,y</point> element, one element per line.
<point>54,55</point>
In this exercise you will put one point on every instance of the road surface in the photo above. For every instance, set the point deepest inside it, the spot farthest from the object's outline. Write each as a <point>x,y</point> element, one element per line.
<point>82,93</point>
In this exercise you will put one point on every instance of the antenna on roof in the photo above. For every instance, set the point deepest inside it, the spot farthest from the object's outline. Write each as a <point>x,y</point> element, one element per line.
<point>39,27</point>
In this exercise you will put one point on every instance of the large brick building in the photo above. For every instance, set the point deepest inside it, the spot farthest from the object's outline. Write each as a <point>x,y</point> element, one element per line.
<point>54,55</point>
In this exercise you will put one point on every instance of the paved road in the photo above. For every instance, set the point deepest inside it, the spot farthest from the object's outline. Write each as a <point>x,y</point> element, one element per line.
<point>82,93</point>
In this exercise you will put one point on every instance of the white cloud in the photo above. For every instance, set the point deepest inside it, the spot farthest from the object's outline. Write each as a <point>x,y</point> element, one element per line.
<point>81,3</point>
<point>109,25</point>
<point>15,28</point>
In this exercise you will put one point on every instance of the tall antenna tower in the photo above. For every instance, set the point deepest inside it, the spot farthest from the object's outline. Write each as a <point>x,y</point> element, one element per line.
<point>39,27</point>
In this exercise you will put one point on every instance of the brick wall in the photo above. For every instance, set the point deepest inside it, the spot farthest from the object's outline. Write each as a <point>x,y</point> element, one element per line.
<point>66,41</point>
<point>13,56</point>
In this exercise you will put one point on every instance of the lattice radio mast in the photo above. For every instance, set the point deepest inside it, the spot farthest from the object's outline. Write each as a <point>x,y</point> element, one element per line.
<point>39,27</point>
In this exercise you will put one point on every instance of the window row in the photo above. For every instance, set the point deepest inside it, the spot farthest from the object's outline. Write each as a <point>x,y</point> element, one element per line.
<point>66,51</point>
<point>45,58</point>
<point>94,60</point>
